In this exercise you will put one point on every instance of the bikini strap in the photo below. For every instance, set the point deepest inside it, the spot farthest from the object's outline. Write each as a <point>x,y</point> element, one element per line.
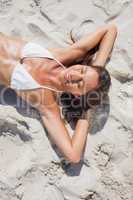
<point>50,87</point>
<point>60,63</point>
<point>48,55</point>
<point>46,87</point>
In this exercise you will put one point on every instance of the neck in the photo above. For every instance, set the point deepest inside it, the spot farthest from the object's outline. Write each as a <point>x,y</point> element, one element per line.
<point>53,79</point>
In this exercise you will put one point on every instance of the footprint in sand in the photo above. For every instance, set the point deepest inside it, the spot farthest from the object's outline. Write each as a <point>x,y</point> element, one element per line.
<point>5,7</point>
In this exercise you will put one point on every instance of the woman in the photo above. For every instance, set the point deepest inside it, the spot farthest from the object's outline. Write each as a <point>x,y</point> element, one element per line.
<point>37,74</point>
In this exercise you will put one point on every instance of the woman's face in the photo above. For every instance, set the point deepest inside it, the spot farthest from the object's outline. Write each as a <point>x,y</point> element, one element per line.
<point>79,79</point>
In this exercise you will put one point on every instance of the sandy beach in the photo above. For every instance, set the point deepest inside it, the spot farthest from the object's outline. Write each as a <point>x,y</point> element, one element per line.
<point>31,168</point>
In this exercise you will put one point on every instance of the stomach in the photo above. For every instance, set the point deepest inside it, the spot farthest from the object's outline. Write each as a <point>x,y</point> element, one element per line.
<point>10,49</point>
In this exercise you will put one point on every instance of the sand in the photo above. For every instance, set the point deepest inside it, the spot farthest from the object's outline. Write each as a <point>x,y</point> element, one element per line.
<point>30,168</point>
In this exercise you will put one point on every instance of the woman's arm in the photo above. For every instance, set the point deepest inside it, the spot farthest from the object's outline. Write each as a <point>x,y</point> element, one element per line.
<point>105,47</point>
<point>103,36</point>
<point>45,102</point>
<point>71,147</point>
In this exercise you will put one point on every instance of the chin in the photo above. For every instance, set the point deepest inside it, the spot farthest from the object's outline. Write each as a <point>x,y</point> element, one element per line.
<point>76,94</point>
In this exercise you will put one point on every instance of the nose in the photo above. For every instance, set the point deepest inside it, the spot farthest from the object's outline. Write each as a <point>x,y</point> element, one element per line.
<point>76,76</point>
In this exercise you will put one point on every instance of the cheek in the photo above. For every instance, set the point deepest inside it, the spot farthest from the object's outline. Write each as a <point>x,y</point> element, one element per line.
<point>94,85</point>
<point>72,89</point>
<point>89,86</point>
<point>91,82</point>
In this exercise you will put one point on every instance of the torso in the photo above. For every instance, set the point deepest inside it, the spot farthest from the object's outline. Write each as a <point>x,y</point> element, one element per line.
<point>9,55</point>
<point>10,51</point>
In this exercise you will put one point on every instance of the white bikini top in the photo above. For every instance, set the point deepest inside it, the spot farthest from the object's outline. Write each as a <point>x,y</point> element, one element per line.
<point>21,79</point>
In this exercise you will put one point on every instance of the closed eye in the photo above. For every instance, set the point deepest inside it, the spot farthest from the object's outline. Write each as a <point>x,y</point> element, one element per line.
<point>80,84</point>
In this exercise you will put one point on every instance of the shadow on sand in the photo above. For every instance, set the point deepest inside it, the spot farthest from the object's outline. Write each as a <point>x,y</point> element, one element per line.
<point>9,97</point>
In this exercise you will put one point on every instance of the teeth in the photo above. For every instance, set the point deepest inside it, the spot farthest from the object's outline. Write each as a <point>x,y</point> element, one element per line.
<point>67,82</point>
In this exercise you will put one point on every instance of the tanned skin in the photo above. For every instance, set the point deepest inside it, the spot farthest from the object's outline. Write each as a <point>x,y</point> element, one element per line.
<point>44,100</point>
